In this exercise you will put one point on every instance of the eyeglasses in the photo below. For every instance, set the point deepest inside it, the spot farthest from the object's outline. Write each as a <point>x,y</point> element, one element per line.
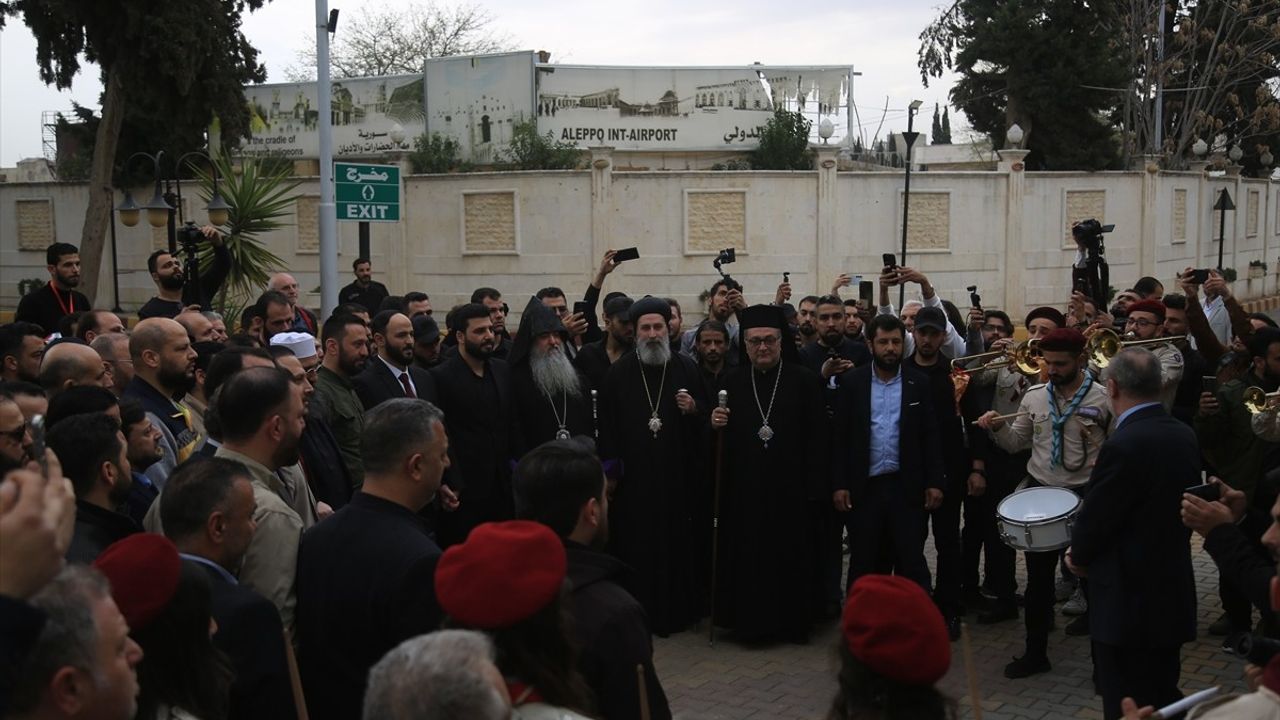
<point>758,341</point>
<point>1142,322</point>
<point>18,434</point>
<point>995,328</point>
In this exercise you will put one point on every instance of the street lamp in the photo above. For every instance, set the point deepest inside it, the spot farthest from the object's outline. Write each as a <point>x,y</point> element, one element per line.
<point>1235,154</point>
<point>1014,136</point>
<point>1199,148</point>
<point>909,137</point>
<point>825,130</point>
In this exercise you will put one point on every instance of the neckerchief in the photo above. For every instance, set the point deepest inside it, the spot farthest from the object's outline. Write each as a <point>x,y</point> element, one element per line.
<point>1060,420</point>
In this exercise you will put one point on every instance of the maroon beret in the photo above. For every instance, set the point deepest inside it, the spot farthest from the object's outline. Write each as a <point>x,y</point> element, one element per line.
<point>1063,340</point>
<point>1051,314</point>
<point>1155,307</point>
<point>143,570</point>
<point>892,626</point>
<point>503,573</point>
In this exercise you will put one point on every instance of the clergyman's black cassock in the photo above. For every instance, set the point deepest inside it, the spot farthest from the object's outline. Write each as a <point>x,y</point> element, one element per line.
<point>535,419</point>
<point>650,512</point>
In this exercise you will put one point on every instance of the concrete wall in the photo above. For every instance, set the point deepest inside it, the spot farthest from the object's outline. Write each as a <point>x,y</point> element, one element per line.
<point>1005,231</point>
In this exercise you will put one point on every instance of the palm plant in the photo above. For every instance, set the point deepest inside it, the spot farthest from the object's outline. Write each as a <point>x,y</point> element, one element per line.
<point>261,195</point>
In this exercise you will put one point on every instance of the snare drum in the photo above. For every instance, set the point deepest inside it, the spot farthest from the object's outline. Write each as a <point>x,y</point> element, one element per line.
<point>1037,519</point>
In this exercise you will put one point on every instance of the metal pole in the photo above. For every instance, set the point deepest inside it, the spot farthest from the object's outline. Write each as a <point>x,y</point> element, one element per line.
<point>906,204</point>
<point>364,240</point>
<point>1159,113</point>
<point>115,270</point>
<point>328,212</point>
<point>1222,235</point>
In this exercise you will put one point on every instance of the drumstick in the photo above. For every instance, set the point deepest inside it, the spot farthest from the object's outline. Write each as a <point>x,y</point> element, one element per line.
<point>1005,417</point>
<point>1185,703</point>
<point>974,698</point>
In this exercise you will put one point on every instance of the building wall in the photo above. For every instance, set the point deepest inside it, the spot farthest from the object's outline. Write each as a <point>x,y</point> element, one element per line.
<point>1005,231</point>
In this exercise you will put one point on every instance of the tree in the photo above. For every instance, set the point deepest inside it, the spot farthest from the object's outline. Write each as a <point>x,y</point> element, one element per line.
<point>784,143</point>
<point>946,129</point>
<point>1036,63</point>
<point>530,151</point>
<point>397,41</point>
<point>177,61</point>
<point>935,130</point>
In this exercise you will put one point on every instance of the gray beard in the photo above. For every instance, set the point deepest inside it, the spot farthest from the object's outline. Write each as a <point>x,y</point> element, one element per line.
<point>655,353</point>
<point>554,374</point>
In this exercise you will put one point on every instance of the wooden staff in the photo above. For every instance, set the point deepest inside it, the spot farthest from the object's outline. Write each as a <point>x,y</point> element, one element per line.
<point>1010,416</point>
<point>974,697</point>
<point>644,692</point>
<point>295,679</point>
<point>723,399</point>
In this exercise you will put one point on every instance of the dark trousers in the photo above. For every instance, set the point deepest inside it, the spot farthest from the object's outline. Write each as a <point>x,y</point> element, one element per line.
<point>981,534</point>
<point>945,522</point>
<point>1041,567</point>
<point>1148,675</point>
<point>887,520</point>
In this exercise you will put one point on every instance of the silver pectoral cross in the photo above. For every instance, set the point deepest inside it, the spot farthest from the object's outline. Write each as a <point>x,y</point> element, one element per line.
<point>655,424</point>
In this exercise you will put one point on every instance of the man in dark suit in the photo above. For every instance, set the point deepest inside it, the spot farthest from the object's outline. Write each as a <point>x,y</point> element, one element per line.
<point>391,372</point>
<point>366,574</point>
<point>1130,542</point>
<point>207,511</point>
<point>888,462</point>
<point>476,397</point>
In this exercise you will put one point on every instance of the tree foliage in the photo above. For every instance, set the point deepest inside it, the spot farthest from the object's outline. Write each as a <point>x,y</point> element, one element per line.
<point>397,41</point>
<point>530,151</point>
<point>436,153</point>
<point>784,143</point>
<point>174,61</point>
<point>1037,63</point>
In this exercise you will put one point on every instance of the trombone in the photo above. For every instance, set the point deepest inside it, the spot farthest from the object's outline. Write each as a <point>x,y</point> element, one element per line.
<point>1256,399</point>
<point>1107,343</point>
<point>1023,357</point>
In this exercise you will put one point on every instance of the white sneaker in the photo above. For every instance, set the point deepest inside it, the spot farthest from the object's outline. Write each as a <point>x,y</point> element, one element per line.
<point>1077,605</point>
<point>1063,590</point>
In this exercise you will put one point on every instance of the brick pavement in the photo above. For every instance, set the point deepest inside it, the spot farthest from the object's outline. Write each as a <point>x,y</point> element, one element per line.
<point>733,681</point>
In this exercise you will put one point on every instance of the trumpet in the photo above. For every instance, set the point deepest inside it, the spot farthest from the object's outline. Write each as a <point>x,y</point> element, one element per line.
<point>1106,344</point>
<point>1256,399</point>
<point>1023,357</point>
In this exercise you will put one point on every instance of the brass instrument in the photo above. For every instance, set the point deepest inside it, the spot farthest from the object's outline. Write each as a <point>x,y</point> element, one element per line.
<point>1256,399</point>
<point>1023,357</point>
<point>1106,344</point>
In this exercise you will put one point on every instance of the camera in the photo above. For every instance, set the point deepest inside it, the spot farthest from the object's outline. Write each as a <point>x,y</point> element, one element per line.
<point>189,236</point>
<point>725,257</point>
<point>975,300</point>
<point>1255,649</point>
<point>1093,275</point>
<point>1088,233</point>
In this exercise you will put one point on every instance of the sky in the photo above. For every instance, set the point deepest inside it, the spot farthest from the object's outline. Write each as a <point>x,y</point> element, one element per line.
<point>879,38</point>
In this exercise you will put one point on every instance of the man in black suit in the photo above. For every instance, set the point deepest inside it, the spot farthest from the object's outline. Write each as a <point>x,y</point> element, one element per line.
<point>207,511</point>
<point>391,372</point>
<point>476,397</point>
<point>1130,542</point>
<point>888,462</point>
<point>366,575</point>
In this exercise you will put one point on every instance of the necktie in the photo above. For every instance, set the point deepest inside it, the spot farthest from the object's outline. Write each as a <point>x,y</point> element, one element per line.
<point>408,389</point>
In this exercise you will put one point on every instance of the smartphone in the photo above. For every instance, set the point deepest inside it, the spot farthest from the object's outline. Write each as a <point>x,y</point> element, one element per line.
<point>1200,277</point>
<point>1209,383</point>
<point>581,308</point>
<point>851,279</point>
<point>1207,492</point>
<point>37,440</point>
<point>1081,287</point>
<point>865,288</point>
<point>890,261</point>
<point>626,254</point>
<point>786,277</point>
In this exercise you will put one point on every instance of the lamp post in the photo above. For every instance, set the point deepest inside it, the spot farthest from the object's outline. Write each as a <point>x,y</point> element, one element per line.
<point>909,137</point>
<point>1222,206</point>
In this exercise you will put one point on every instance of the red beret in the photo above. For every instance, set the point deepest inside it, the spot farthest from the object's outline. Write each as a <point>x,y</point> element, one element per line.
<point>1155,307</point>
<point>1063,340</point>
<point>892,626</point>
<point>143,570</point>
<point>503,573</point>
<point>1051,314</point>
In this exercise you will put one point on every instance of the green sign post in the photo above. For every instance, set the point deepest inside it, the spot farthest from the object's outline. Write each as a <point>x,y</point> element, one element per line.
<point>367,193</point>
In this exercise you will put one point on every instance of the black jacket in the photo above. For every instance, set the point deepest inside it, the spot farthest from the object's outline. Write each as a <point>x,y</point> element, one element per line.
<point>20,628</point>
<point>365,584</point>
<point>42,308</point>
<point>1130,536</point>
<point>327,475</point>
<point>370,297</point>
<point>376,384</point>
<point>919,449</point>
<point>479,437</point>
<point>1242,560</point>
<point>96,529</point>
<point>250,633</point>
<point>613,632</point>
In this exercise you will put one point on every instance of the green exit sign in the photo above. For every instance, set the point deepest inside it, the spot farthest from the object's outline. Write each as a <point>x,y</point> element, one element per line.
<point>367,193</point>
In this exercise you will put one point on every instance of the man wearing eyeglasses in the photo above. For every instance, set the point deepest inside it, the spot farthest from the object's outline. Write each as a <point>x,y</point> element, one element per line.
<point>1146,322</point>
<point>15,436</point>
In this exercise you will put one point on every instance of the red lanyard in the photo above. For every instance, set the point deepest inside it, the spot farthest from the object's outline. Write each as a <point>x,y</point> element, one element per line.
<point>70,305</point>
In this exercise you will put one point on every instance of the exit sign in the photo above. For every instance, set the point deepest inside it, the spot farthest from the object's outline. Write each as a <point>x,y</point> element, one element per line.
<point>367,193</point>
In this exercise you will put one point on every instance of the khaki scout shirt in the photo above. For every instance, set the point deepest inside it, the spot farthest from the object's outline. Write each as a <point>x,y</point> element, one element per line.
<point>1011,386</point>
<point>1082,436</point>
<point>1170,359</point>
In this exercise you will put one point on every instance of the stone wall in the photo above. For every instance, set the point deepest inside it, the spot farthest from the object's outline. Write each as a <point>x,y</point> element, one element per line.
<point>1006,231</point>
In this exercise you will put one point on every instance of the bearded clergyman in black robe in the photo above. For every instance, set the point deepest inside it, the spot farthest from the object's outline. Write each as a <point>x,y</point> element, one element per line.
<point>653,420</point>
<point>773,484</point>
<point>552,398</point>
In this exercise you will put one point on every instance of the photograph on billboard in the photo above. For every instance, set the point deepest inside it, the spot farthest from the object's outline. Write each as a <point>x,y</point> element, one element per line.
<point>370,116</point>
<point>478,100</point>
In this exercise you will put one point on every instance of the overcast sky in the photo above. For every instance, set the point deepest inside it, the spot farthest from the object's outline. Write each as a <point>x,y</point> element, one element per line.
<point>877,37</point>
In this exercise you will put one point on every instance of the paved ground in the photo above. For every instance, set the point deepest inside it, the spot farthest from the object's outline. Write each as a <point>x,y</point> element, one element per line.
<point>732,681</point>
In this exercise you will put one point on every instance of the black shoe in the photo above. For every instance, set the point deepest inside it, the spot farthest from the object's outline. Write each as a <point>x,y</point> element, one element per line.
<point>953,628</point>
<point>998,612</point>
<point>1026,666</point>
<point>973,601</point>
<point>1222,626</point>
<point>1078,627</point>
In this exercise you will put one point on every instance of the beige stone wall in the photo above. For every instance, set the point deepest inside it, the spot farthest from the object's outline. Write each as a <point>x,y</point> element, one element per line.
<point>1002,230</point>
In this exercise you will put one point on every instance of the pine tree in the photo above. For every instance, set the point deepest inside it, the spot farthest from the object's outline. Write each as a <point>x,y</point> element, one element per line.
<point>935,132</point>
<point>946,128</point>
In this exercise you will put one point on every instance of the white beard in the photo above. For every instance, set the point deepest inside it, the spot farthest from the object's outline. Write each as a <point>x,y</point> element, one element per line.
<point>554,374</point>
<point>655,353</point>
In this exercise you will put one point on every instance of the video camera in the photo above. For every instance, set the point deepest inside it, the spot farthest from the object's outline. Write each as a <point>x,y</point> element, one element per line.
<point>725,257</point>
<point>1093,279</point>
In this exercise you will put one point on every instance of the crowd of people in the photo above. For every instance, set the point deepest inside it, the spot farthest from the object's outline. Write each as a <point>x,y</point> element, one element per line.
<point>363,515</point>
